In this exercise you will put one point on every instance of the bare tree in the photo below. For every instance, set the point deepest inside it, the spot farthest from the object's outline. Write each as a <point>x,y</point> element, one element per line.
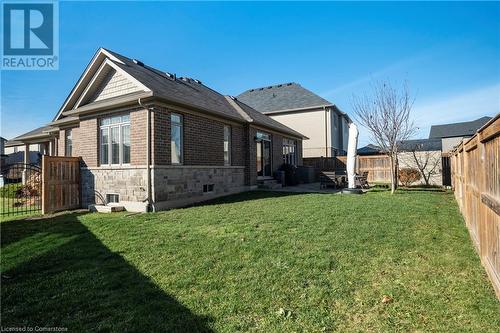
<point>385,113</point>
<point>427,162</point>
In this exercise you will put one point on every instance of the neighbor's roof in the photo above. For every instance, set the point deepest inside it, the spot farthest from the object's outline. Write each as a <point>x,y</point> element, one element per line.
<point>33,134</point>
<point>468,128</point>
<point>191,92</point>
<point>286,96</point>
<point>407,145</point>
<point>421,145</point>
<point>369,150</point>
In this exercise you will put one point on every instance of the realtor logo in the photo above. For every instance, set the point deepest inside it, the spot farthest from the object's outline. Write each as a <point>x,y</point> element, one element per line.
<point>30,35</point>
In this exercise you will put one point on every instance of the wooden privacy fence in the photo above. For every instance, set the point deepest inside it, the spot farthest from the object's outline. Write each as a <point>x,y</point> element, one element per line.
<point>60,183</point>
<point>378,166</point>
<point>476,182</point>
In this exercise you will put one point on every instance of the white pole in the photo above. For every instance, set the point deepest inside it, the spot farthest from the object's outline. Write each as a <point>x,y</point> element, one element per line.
<point>351,154</point>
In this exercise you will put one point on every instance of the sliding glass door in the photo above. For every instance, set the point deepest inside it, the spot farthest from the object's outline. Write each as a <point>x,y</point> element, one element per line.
<point>263,155</point>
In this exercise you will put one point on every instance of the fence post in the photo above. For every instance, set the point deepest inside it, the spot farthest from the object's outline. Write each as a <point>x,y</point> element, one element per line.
<point>45,190</point>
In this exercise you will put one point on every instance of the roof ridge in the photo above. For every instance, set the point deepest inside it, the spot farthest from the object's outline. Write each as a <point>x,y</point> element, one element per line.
<point>463,122</point>
<point>273,86</point>
<point>238,108</point>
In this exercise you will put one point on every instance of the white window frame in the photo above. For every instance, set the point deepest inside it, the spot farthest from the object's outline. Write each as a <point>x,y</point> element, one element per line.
<point>287,143</point>
<point>181,148</point>
<point>229,145</point>
<point>110,126</point>
<point>66,136</point>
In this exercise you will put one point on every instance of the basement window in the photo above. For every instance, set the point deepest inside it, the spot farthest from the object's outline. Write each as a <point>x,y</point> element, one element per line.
<point>208,188</point>
<point>112,198</point>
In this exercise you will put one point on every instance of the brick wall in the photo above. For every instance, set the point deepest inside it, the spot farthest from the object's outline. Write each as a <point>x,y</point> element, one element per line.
<point>138,137</point>
<point>160,138</point>
<point>61,143</point>
<point>88,142</point>
<point>238,145</point>
<point>251,170</point>
<point>203,141</point>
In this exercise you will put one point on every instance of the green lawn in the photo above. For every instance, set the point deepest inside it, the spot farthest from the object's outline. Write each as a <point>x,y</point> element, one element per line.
<point>252,262</point>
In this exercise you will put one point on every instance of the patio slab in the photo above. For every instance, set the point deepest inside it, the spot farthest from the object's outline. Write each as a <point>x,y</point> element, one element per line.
<point>306,188</point>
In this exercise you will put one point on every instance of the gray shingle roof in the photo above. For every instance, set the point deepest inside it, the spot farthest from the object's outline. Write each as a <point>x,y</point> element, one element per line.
<point>421,145</point>
<point>405,146</point>
<point>192,92</point>
<point>369,150</point>
<point>457,129</point>
<point>284,96</point>
<point>40,131</point>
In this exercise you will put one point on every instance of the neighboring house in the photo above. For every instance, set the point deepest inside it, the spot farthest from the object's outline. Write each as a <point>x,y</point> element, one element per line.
<point>2,145</point>
<point>452,134</point>
<point>13,152</point>
<point>423,153</point>
<point>427,152</point>
<point>304,111</point>
<point>148,139</point>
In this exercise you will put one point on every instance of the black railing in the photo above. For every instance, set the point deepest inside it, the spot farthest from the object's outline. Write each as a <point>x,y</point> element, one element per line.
<point>20,189</point>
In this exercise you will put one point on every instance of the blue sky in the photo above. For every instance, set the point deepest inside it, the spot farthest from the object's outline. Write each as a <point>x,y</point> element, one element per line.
<point>448,52</point>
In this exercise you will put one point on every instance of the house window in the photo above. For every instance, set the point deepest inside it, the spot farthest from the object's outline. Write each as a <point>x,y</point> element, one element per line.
<point>289,151</point>
<point>112,198</point>
<point>68,143</point>
<point>176,144</point>
<point>115,140</point>
<point>227,145</point>
<point>208,188</point>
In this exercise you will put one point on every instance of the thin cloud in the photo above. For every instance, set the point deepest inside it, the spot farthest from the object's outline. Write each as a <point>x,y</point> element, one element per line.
<point>466,106</point>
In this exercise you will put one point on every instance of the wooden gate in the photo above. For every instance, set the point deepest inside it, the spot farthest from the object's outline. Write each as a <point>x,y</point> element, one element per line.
<point>60,183</point>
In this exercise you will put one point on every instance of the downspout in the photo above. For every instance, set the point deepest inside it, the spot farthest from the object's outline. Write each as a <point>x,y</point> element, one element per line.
<point>148,152</point>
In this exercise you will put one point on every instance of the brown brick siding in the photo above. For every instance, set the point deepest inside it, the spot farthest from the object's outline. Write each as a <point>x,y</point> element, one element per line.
<point>160,138</point>
<point>203,141</point>
<point>238,144</point>
<point>138,137</point>
<point>61,143</point>
<point>251,170</point>
<point>88,142</point>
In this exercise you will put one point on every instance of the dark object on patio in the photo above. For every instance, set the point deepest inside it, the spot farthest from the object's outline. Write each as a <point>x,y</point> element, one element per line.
<point>362,180</point>
<point>352,191</point>
<point>330,178</point>
<point>291,175</point>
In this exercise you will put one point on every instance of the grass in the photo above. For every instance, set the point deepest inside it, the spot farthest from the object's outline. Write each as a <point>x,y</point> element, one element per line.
<point>9,190</point>
<point>258,261</point>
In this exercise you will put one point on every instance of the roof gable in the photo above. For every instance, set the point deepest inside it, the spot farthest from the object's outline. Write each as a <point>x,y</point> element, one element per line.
<point>287,96</point>
<point>102,62</point>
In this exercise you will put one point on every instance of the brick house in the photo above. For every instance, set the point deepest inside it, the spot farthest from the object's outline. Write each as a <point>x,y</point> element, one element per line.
<point>150,140</point>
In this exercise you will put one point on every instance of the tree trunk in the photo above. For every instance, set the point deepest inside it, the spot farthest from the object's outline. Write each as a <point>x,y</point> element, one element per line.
<point>393,183</point>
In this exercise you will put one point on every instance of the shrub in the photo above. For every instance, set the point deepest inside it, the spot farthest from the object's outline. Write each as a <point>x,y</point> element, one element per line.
<point>408,176</point>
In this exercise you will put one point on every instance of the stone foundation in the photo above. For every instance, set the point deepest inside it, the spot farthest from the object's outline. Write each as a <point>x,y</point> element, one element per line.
<point>130,183</point>
<point>175,186</point>
<point>172,186</point>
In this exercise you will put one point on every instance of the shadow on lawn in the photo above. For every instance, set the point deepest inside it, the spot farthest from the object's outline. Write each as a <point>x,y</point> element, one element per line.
<point>247,196</point>
<point>59,274</point>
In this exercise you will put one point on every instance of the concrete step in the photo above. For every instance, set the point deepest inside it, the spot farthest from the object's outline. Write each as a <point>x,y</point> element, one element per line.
<point>106,209</point>
<point>268,184</point>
